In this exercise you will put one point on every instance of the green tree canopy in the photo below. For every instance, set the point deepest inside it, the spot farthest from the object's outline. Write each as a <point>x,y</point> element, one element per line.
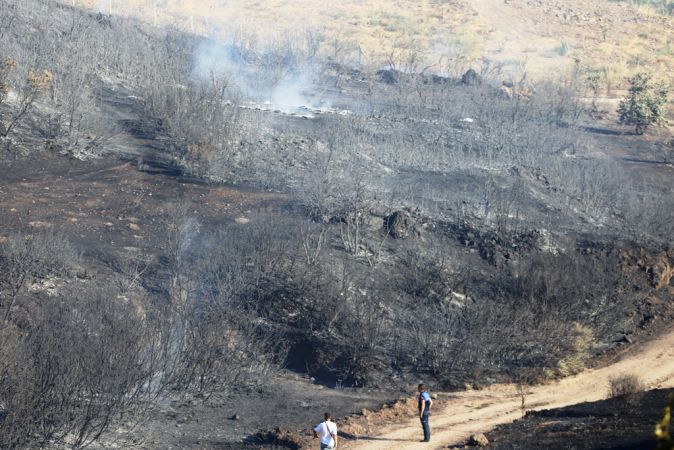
<point>644,104</point>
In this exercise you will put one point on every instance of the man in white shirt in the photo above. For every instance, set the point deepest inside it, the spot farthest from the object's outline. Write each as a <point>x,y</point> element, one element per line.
<point>327,432</point>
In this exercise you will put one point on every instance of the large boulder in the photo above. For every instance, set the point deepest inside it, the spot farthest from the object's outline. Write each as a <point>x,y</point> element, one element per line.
<point>398,225</point>
<point>389,76</point>
<point>471,78</point>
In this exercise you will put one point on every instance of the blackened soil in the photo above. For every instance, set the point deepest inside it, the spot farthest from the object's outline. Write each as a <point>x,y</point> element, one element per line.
<point>109,207</point>
<point>608,424</point>
<point>288,402</point>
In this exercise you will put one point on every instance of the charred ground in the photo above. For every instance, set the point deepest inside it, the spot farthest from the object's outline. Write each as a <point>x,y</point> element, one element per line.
<point>608,424</point>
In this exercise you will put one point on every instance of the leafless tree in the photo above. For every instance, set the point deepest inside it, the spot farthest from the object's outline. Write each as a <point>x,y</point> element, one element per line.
<point>80,363</point>
<point>25,258</point>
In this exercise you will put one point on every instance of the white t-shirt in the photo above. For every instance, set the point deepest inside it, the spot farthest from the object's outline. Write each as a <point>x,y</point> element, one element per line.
<point>324,429</point>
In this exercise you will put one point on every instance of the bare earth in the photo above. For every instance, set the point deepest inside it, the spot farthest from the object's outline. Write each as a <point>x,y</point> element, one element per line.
<point>471,412</point>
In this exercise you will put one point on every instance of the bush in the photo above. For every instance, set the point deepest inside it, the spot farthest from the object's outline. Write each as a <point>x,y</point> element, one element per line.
<point>25,258</point>
<point>579,352</point>
<point>66,374</point>
<point>645,103</point>
<point>625,385</point>
<point>624,389</point>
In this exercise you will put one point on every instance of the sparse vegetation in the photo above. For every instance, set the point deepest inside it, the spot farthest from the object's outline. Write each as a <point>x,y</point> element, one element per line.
<point>625,390</point>
<point>625,385</point>
<point>663,6</point>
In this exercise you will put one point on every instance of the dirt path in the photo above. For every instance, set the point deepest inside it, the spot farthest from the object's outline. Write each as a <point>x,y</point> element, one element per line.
<point>471,412</point>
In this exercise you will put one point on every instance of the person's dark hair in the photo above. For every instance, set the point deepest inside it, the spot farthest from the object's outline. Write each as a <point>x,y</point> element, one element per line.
<point>327,416</point>
<point>422,386</point>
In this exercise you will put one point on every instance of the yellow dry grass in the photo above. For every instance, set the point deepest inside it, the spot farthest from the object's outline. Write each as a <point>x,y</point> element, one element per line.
<point>543,38</point>
<point>373,29</point>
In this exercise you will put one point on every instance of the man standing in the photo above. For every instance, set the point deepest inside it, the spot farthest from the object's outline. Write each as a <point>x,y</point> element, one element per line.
<point>425,404</point>
<point>327,431</point>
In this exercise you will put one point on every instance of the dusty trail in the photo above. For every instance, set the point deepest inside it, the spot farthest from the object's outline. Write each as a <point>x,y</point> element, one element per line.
<point>471,412</point>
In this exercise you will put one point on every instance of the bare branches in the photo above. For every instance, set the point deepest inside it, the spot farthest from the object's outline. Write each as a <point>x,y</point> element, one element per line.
<point>28,257</point>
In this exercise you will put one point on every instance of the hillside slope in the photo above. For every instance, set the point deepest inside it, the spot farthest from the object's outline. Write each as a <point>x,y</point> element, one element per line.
<point>543,38</point>
<point>470,412</point>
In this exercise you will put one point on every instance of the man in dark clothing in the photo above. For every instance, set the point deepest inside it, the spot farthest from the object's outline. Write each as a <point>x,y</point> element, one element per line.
<point>425,404</point>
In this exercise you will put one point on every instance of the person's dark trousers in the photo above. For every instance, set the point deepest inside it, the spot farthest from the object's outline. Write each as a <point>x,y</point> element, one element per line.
<point>425,426</point>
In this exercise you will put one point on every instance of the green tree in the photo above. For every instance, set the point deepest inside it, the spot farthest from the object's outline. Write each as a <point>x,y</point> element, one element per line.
<point>644,104</point>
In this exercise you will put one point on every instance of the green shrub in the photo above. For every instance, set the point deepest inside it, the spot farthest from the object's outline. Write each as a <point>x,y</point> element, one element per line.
<point>645,103</point>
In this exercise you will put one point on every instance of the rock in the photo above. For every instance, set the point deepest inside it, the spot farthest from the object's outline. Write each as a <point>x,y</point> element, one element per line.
<point>471,78</point>
<point>398,224</point>
<point>388,76</point>
<point>478,440</point>
<point>437,79</point>
<point>661,273</point>
<point>626,339</point>
<point>434,396</point>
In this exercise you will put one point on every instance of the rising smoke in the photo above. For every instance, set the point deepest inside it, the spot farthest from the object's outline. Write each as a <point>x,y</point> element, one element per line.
<point>267,75</point>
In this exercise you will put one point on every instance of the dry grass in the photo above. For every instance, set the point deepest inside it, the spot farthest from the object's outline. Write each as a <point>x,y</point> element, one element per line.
<point>581,347</point>
<point>375,27</point>
<point>615,39</point>
<point>625,386</point>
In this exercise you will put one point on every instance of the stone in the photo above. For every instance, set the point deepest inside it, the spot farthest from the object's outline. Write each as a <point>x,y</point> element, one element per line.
<point>471,78</point>
<point>398,225</point>
<point>478,440</point>
<point>388,76</point>
<point>626,339</point>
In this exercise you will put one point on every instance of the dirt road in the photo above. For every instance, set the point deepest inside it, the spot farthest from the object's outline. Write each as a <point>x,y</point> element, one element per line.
<point>471,412</point>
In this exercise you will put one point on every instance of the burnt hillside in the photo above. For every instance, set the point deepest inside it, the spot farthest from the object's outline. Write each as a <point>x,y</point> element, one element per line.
<point>189,220</point>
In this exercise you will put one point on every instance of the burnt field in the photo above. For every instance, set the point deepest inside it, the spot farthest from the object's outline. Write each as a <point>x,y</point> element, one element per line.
<point>189,225</point>
<point>607,424</point>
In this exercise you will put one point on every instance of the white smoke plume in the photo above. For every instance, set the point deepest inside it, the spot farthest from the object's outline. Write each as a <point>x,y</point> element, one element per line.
<point>287,82</point>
